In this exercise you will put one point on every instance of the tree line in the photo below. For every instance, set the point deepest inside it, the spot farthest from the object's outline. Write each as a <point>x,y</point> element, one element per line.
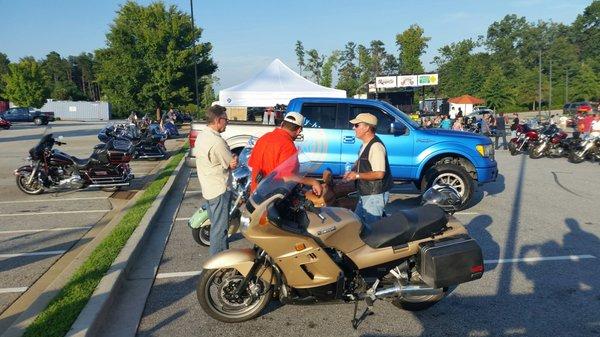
<point>148,62</point>
<point>503,67</point>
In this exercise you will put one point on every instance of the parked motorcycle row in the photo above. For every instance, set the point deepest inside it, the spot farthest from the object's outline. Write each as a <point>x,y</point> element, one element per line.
<point>107,167</point>
<point>312,249</point>
<point>551,141</point>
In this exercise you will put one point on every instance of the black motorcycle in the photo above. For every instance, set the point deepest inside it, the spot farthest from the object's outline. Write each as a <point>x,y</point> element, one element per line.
<point>148,143</point>
<point>587,149</point>
<point>52,169</point>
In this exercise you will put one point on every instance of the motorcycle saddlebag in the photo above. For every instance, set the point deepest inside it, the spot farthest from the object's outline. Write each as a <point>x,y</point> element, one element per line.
<point>450,262</point>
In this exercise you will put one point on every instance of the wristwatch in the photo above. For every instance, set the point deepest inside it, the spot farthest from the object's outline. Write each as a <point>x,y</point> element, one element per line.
<point>357,176</point>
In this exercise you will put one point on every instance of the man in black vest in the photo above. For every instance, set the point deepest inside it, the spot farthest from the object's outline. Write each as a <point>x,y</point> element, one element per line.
<point>371,171</point>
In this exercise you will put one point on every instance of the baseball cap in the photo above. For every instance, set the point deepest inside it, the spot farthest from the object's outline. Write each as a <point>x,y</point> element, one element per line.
<point>294,118</point>
<point>364,118</point>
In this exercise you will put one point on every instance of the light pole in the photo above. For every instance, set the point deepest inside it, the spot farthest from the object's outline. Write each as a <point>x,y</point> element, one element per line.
<point>194,56</point>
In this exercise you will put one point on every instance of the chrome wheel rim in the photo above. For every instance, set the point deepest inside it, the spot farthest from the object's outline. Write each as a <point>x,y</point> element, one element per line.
<point>221,295</point>
<point>452,180</point>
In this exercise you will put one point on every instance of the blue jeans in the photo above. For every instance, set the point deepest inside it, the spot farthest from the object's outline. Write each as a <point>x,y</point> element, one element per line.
<point>218,212</point>
<point>370,208</point>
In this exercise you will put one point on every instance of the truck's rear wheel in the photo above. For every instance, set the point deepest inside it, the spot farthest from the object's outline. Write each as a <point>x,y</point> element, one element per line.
<point>37,121</point>
<point>452,175</point>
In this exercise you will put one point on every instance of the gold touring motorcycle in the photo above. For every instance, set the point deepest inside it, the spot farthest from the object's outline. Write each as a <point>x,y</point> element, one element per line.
<point>303,254</point>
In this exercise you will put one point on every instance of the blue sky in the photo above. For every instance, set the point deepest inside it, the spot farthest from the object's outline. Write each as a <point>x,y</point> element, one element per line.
<point>247,35</point>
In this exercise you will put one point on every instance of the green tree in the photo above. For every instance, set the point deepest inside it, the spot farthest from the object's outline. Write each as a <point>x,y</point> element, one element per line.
<point>497,90</point>
<point>328,66</point>
<point>586,31</point>
<point>149,58</point>
<point>412,44</point>
<point>300,55</point>
<point>4,62</point>
<point>26,83</point>
<point>314,65</point>
<point>452,62</point>
<point>208,94</point>
<point>348,73</point>
<point>585,85</point>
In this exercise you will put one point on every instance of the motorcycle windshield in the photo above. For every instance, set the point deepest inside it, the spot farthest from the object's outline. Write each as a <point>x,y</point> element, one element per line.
<point>284,178</point>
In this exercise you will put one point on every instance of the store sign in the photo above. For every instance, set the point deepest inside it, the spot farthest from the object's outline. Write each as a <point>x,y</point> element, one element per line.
<point>385,82</point>
<point>427,79</point>
<point>407,81</point>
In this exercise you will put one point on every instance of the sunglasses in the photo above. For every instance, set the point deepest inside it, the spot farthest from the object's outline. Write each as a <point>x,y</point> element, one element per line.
<point>354,126</point>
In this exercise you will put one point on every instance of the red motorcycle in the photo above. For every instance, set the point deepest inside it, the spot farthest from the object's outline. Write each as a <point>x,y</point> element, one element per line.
<point>5,124</point>
<point>107,167</point>
<point>551,143</point>
<point>526,138</point>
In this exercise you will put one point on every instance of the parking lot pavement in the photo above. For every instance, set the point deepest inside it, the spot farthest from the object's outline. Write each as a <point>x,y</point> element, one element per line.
<point>539,230</point>
<point>35,231</point>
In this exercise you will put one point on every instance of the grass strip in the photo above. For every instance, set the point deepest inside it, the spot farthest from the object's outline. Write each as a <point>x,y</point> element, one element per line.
<point>63,310</point>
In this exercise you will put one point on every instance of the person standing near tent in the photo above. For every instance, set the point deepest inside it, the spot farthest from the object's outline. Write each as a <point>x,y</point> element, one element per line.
<point>275,147</point>
<point>214,162</point>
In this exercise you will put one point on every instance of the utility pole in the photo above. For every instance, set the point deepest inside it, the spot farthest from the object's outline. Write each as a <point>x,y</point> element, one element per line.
<point>550,91</point>
<point>566,86</point>
<point>194,56</point>
<point>540,84</point>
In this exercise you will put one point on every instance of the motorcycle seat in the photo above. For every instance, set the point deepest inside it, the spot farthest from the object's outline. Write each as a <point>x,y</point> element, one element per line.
<point>81,163</point>
<point>405,226</point>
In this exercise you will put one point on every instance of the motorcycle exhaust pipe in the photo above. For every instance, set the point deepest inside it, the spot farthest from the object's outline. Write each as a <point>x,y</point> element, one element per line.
<point>414,290</point>
<point>109,185</point>
<point>152,156</point>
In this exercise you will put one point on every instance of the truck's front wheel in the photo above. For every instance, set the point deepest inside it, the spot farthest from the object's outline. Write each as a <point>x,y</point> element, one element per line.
<point>452,175</point>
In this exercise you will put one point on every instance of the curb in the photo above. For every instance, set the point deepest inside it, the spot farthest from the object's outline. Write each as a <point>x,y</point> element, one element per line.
<point>97,308</point>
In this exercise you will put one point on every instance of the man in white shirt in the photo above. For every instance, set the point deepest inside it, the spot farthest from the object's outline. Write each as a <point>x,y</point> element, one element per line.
<point>214,162</point>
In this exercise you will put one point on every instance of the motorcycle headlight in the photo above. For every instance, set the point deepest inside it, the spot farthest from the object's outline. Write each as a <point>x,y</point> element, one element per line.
<point>485,150</point>
<point>244,222</point>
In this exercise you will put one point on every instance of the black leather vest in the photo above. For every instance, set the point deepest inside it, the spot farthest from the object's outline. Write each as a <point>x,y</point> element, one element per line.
<point>373,186</point>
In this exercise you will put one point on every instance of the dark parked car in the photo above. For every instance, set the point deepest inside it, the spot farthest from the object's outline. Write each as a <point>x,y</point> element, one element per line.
<point>575,107</point>
<point>28,115</point>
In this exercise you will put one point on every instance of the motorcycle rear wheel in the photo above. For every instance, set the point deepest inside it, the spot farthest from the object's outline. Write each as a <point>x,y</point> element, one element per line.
<point>216,295</point>
<point>202,235</point>
<point>33,189</point>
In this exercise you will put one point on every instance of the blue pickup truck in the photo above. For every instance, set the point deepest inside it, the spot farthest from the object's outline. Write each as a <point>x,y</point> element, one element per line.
<point>421,156</point>
<point>24,114</point>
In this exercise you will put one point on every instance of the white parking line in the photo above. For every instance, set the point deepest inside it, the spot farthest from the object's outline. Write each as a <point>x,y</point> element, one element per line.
<point>45,230</point>
<point>540,259</point>
<point>13,290</point>
<point>193,191</point>
<point>58,212</point>
<point>51,200</point>
<point>466,213</point>
<point>528,259</point>
<point>180,274</point>
<point>182,219</point>
<point>48,252</point>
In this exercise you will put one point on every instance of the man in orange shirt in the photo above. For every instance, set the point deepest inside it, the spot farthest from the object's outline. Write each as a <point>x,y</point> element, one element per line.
<point>275,147</point>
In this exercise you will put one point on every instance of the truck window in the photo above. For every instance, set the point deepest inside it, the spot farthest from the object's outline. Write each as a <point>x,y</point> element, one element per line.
<point>383,119</point>
<point>319,115</point>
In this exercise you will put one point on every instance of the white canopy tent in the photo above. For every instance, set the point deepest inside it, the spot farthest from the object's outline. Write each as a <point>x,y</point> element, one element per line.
<point>276,84</point>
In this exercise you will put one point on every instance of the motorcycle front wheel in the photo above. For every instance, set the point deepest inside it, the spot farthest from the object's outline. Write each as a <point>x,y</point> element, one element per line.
<point>536,153</point>
<point>34,188</point>
<point>576,158</point>
<point>512,147</point>
<point>217,296</point>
